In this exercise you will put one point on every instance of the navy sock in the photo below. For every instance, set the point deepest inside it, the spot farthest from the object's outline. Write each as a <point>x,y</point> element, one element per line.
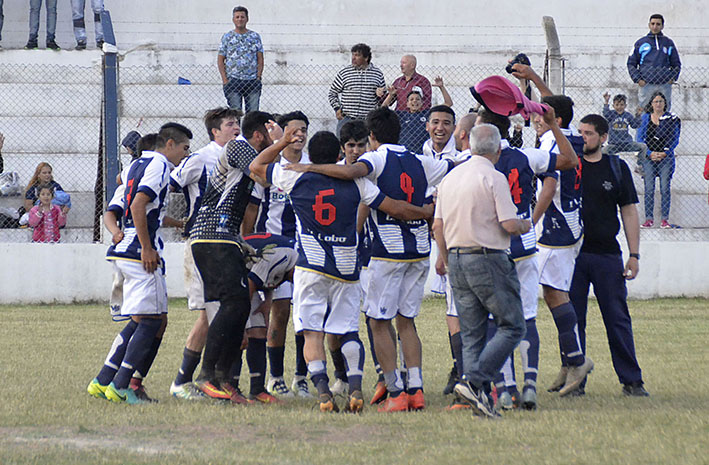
<point>338,363</point>
<point>352,352</point>
<point>529,348</point>
<point>144,367</point>
<point>318,375</point>
<point>137,350</point>
<point>190,360</point>
<point>377,367</point>
<point>256,359</point>
<point>457,349</point>
<point>116,354</point>
<point>301,367</point>
<point>567,327</point>
<point>235,370</point>
<point>275,360</point>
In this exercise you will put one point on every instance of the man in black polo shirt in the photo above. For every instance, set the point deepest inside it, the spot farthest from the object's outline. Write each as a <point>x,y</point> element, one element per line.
<point>607,185</point>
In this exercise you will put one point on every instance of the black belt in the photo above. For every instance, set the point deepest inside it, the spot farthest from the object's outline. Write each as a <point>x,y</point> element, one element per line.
<point>474,250</point>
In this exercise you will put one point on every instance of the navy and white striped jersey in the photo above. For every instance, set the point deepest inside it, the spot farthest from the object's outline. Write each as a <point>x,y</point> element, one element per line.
<point>278,256</point>
<point>227,194</point>
<point>405,176</point>
<point>519,167</point>
<point>326,212</point>
<point>563,224</point>
<point>191,176</point>
<point>276,213</point>
<point>149,174</point>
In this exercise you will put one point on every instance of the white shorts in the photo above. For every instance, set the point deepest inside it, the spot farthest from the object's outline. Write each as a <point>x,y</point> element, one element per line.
<point>193,281</point>
<point>528,273</point>
<point>116,300</point>
<point>321,303</point>
<point>364,275</point>
<point>556,266</point>
<point>284,291</point>
<point>257,317</point>
<point>143,293</point>
<point>450,302</point>
<point>395,288</point>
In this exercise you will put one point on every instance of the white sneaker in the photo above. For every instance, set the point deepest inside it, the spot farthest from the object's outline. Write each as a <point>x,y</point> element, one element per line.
<point>186,391</point>
<point>300,387</point>
<point>278,388</point>
<point>339,387</point>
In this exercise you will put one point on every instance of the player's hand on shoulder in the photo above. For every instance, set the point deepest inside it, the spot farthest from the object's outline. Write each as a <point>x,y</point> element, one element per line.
<point>297,167</point>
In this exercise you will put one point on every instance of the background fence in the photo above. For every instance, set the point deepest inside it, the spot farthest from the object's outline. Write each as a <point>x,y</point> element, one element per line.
<point>52,114</point>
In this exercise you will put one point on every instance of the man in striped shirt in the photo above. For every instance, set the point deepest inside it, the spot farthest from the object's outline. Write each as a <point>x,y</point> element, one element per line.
<point>357,88</point>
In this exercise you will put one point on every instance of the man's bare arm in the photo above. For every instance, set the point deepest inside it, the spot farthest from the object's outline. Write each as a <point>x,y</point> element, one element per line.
<point>544,200</point>
<point>526,72</point>
<point>631,226</point>
<point>404,210</point>
<point>347,172</point>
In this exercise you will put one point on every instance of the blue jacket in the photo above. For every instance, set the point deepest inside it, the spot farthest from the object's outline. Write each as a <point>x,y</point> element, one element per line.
<point>668,132</point>
<point>654,59</point>
<point>619,124</point>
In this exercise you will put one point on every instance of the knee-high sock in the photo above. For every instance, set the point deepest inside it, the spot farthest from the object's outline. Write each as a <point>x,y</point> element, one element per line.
<point>275,361</point>
<point>190,360</point>
<point>457,350</point>
<point>529,349</point>
<point>352,351</point>
<point>301,366</point>
<point>318,375</point>
<point>565,321</point>
<point>137,350</point>
<point>338,363</point>
<point>141,371</point>
<point>116,354</point>
<point>256,359</point>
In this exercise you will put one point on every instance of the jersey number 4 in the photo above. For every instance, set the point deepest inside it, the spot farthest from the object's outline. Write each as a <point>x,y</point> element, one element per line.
<point>407,186</point>
<point>324,212</point>
<point>515,190</point>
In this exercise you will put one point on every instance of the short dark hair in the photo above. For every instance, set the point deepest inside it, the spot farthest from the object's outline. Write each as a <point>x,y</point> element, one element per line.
<point>657,16</point>
<point>384,124</point>
<point>563,108</point>
<point>353,130</point>
<point>214,118</point>
<point>45,186</point>
<point>240,8</point>
<point>323,148</point>
<point>648,107</point>
<point>599,123</point>
<point>364,50</point>
<point>442,109</point>
<point>147,142</point>
<point>502,123</point>
<point>254,121</point>
<point>174,131</point>
<point>283,120</point>
<point>414,92</point>
<point>620,97</point>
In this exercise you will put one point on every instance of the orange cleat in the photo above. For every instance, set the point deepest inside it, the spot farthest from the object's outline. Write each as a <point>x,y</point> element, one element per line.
<point>399,403</point>
<point>380,393</point>
<point>416,401</point>
<point>264,398</point>
<point>355,402</point>
<point>458,404</point>
<point>210,390</point>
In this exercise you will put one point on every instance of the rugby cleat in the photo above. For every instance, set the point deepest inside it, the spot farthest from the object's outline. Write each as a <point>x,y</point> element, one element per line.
<point>380,393</point>
<point>142,395</point>
<point>97,390</point>
<point>505,401</point>
<point>529,398</point>
<point>416,401</point>
<point>560,380</point>
<point>210,390</point>
<point>122,396</point>
<point>186,391</point>
<point>327,403</point>
<point>399,403</point>
<point>300,388</point>
<point>277,387</point>
<point>264,398</point>
<point>339,387</point>
<point>576,376</point>
<point>355,402</point>
<point>458,404</point>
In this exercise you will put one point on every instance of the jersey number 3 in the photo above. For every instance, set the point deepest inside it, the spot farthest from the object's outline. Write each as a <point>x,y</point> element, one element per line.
<point>515,190</point>
<point>324,212</point>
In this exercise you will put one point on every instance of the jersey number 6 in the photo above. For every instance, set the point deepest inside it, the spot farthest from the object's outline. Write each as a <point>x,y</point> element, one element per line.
<point>320,207</point>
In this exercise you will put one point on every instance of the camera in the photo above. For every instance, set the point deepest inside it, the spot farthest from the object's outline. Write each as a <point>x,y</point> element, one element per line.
<point>520,58</point>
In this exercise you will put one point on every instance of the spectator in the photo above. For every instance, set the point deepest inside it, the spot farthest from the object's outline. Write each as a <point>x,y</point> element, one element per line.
<point>130,143</point>
<point>406,83</point>
<point>35,6</point>
<point>659,131</point>
<point>706,168</point>
<point>2,136</point>
<point>357,88</point>
<point>45,218</point>
<point>240,63</point>
<point>654,62</point>
<point>619,120</point>
<point>2,19</point>
<point>77,14</point>
<point>413,119</point>
<point>42,176</point>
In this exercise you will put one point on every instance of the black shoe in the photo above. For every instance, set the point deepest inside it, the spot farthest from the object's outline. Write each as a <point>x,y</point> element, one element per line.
<point>452,381</point>
<point>635,389</point>
<point>99,44</point>
<point>52,45</point>
<point>477,399</point>
<point>31,46</point>
<point>80,46</point>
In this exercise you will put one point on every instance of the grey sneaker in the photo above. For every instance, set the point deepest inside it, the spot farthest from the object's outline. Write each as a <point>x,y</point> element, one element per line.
<point>576,376</point>
<point>635,390</point>
<point>476,398</point>
<point>277,387</point>
<point>529,398</point>
<point>339,387</point>
<point>300,388</point>
<point>560,380</point>
<point>504,401</point>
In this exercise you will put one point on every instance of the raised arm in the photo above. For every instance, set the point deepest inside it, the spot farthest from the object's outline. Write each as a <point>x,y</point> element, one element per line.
<point>526,72</point>
<point>567,158</point>
<point>447,100</point>
<point>259,166</point>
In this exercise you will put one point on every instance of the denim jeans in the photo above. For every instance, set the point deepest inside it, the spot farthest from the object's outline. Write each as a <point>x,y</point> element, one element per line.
<point>2,19</point>
<point>247,89</point>
<point>484,285</point>
<point>35,6</point>
<point>77,15</point>
<point>648,89</point>
<point>664,168</point>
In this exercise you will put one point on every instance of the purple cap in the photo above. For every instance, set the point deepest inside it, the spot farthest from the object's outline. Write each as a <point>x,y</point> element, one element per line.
<point>500,96</point>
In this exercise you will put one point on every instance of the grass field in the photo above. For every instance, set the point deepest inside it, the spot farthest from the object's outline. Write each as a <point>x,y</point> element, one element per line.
<point>48,354</point>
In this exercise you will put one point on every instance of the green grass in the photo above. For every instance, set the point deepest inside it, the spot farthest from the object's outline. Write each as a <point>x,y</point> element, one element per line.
<point>48,354</point>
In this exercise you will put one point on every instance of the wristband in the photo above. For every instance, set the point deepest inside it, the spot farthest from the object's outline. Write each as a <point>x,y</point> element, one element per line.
<point>635,255</point>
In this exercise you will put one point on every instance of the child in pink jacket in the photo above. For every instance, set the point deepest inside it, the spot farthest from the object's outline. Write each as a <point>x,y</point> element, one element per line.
<point>45,218</point>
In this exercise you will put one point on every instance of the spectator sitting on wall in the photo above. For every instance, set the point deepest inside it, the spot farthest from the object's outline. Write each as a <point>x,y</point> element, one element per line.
<point>413,119</point>
<point>659,131</point>
<point>407,82</point>
<point>619,120</point>
<point>43,176</point>
<point>654,62</point>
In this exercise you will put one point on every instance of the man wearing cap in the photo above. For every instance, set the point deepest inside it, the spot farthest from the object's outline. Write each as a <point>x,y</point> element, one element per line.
<point>472,238</point>
<point>405,84</point>
<point>130,142</point>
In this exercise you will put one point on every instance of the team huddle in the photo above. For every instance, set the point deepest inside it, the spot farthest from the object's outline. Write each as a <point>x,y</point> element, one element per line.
<point>343,225</point>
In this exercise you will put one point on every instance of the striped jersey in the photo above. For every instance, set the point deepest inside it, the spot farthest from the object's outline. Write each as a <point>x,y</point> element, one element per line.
<point>405,176</point>
<point>563,224</point>
<point>519,167</point>
<point>227,194</point>
<point>190,177</point>
<point>276,213</point>
<point>277,257</point>
<point>326,213</point>
<point>149,174</point>
<point>354,90</point>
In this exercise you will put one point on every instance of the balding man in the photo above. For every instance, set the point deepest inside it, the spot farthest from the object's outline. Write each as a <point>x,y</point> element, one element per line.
<point>404,84</point>
<point>472,238</point>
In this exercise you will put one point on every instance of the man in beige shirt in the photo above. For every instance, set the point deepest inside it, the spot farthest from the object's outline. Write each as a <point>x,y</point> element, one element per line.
<point>474,219</point>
